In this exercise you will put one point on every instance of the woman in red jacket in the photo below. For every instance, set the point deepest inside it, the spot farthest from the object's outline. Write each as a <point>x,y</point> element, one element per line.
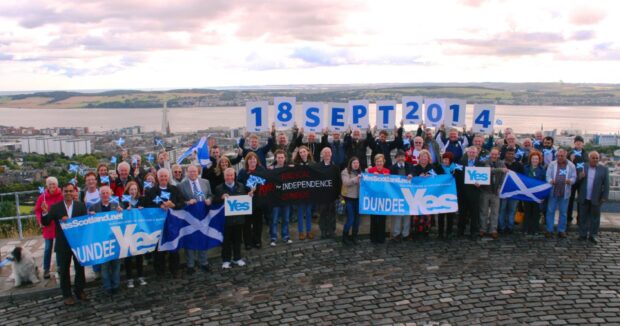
<point>377,222</point>
<point>49,197</point>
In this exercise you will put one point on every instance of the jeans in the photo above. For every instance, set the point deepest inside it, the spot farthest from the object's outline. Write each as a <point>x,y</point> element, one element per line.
<point>307,210</point>
<point>111,274</point>
<point>47,254</point>
<point>353,216</point>
<point>275,218</point>
<point>192,255</point>
<point>507,210</point>
<point>560,203</point>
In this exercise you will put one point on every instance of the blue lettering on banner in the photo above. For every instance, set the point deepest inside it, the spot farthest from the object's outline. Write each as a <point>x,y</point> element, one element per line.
<point>337,117</point>
<point>102,237</point>
<point>396,195</point>
<point>314,119</point>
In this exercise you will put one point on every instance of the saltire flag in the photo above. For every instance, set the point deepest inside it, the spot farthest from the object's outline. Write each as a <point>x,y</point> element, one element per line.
<point>196,227</point>
<point>201,148</point>
<point>521,187</point>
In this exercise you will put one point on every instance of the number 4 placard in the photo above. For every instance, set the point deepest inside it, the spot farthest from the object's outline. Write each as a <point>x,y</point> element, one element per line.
<point>484,118</point>
<point>256,116</point>
<point>285,112</point>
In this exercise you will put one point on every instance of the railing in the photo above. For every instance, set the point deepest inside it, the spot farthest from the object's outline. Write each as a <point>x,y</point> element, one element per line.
<point>19,216</point>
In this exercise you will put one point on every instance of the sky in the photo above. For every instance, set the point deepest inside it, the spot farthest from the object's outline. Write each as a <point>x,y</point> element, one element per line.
<point>131,44</point>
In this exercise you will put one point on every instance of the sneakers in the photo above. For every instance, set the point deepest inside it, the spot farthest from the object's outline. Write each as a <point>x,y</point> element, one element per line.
<point>240,262</point>
<point>130,283</point>
<point>226,265</point>
<point>289,241</point>
<point>141,281</point>
<point>273,243</point>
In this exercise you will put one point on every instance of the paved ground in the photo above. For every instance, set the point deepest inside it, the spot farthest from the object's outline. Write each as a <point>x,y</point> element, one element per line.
<point>510,281</point>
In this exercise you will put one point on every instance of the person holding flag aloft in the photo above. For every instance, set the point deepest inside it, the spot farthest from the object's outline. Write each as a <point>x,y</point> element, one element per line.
<point>535,170</point>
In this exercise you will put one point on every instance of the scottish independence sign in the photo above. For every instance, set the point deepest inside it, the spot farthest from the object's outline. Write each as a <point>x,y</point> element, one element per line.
<point>102,237</point>
<point>395,195</point>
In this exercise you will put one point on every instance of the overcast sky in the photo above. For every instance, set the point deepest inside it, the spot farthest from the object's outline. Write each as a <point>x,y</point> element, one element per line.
<point>90,44</point>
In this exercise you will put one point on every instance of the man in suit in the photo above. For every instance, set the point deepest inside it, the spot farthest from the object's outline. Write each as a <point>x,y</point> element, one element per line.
<point>470,210</point>
<point>62,211</point>
<point>593,192</point>
<point>172,199</point>
<point>111,270</point>
<point>195,189</point>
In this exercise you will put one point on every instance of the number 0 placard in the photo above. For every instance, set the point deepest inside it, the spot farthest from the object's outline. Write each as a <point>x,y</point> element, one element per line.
<point>484,118</point>
<point>284,112</point>
<point>256,116</point>
<point>434,112</point>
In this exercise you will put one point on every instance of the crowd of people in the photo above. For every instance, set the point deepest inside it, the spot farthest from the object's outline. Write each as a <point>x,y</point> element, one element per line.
<point>572,173</point>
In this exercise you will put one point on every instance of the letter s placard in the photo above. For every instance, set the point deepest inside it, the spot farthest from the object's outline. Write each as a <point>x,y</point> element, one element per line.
<point>313,116</point>
<point>256,116</point>
<point>238,205</point>
<point>284,112</point>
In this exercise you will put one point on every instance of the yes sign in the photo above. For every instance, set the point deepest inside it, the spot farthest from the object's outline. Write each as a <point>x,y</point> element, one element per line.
<point>479,175</point>
<point>238,205</point>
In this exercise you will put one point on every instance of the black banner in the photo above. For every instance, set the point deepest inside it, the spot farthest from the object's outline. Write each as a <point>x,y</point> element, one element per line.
<point>296,185</point>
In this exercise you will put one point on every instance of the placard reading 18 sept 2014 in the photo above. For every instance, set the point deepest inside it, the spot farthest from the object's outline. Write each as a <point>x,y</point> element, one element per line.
<point>315,116</point>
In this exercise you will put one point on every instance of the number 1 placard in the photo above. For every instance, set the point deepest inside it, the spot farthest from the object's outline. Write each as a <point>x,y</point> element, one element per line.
<point>484,118</point>
<point>455,113</point>
<point>284,112</point>
<point>256,116</point>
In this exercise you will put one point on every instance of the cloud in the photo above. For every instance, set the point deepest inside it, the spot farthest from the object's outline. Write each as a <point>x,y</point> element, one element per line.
<point>505,44</point>
<point>587,16</point>
<point>583,35</point>
<point>473,3</point>
<point>5,57</point>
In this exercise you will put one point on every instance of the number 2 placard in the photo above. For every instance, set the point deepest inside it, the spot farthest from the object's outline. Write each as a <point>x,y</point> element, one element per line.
<point>256,116</point>
<point>484,118</point>
<point>412,110</point>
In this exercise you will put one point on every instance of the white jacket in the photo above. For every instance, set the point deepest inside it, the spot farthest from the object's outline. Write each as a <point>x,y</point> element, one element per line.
<point>571,176</point>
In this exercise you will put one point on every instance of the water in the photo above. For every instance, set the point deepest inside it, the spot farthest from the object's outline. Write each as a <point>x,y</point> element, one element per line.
<point>522,119</point>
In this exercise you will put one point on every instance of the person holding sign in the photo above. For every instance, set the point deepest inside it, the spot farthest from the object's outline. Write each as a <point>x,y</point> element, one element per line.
<point>58,212</point>
<point>381,145</point>
<point>281,141</point>
<point>507,206</point>
<point>327,211</point>
<point>377,222</point>
<point>50,196</point>
<point>424,168</point>
<point>351,178</point>
<point>111,270</point>
<point>302,158</point>
<point>231,247</point>
<point>533,169</point>
<point>253,227</point>
<point>469,207</point>
<point>285,210</point>
<point>430,143</point>
<point>165,196</point>
<point>453,143</point>
<point>355,146</point>
<point>255,147</point>
<point>132,200</point>
<point>561,174</point>
<point>401,224</point>
<point>338,150</point>
<point>313,144</point>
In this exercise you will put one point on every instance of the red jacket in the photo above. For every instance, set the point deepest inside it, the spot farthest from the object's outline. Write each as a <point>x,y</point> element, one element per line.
<point>49,232</point>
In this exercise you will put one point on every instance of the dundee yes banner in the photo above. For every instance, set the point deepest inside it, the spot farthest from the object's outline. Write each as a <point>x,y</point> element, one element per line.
<point>102,237</point>
<point>395,195</point>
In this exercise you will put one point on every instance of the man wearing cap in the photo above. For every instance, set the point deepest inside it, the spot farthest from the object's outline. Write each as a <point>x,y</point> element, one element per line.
<point>401,223</point>
<point>579,157</point>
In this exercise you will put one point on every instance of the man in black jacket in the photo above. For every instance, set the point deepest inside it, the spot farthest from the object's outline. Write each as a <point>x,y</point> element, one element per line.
<point>469,206</point>
<point>62,211</point>
<point>234,224</point>
<point>401,224</point>
<point>382,146</point>
<point>165,196</point>
<point>354,145</point>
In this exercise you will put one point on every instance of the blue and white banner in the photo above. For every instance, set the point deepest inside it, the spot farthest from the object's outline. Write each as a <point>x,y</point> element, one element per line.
<point>521,187</point>
<point>196,227</point>
<point>102,237</point>
<point>396,195</point>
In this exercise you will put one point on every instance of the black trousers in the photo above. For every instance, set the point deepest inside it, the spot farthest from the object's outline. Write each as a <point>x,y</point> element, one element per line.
<point>253,228</point>
<point>160,261</point>
<point>571,202</point>
<point>232,242</point>
<point>63,258</point>
<point>531,210</point>
<point>138,262</point>
<point>377,228</point>
<point>445,223</point>
<point>327,220</point>
<point>470,214</point>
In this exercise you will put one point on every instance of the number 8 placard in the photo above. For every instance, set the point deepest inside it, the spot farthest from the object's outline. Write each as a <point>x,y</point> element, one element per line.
<point>256,116</point>
<point>484,118</point>
<point>284,112</point>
